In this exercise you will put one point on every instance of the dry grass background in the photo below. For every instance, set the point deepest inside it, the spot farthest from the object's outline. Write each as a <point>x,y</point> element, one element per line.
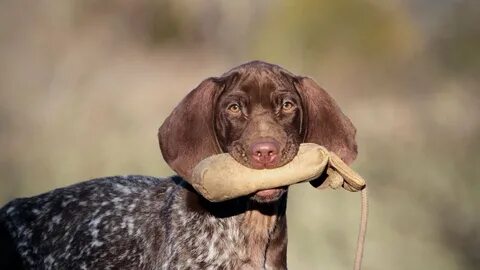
<point>84,85</point>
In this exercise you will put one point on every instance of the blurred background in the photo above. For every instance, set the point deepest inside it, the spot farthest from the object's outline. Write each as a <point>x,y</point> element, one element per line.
<point>85,84</point>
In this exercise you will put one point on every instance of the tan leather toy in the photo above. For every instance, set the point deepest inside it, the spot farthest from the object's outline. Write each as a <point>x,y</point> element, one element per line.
<point>220,177</point>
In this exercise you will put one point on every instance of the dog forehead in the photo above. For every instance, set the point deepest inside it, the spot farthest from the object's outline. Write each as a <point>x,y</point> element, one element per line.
<point>260,87</point>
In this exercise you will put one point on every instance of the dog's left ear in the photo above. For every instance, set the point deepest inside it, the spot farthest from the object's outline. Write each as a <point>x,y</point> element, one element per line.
<point>187,136</point>
<point>324,122</point>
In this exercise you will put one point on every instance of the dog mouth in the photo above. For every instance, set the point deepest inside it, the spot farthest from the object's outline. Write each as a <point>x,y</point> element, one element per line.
<point>287,153</point>
<point>269,195</point>
<point>265,193</point>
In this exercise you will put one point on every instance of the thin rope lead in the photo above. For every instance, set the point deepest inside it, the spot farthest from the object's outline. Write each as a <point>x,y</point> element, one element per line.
<point>363,230</point>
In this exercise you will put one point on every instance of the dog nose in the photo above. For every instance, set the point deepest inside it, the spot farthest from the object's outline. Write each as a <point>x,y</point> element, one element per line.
<point>264,154</point>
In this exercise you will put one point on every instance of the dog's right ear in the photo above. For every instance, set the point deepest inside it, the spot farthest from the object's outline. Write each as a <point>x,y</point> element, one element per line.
<point>325,124</point>
<point>188,136</point>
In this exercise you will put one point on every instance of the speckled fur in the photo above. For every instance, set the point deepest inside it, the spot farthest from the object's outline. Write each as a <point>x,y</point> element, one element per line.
<point>139,222</point>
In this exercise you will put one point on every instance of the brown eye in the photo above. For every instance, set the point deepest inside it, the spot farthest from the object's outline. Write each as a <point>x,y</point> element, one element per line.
<point>234,108</point>
<point>288,106</point>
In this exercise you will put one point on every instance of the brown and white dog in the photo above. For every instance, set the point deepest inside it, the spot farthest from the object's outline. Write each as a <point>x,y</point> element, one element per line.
<point>259,113</point>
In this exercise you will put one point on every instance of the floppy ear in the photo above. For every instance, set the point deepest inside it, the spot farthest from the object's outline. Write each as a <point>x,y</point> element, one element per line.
<point>324,122</point>
<point>187,136</point>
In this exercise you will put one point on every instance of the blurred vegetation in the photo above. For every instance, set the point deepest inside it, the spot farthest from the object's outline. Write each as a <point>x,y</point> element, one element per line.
<point>457,45</point>
<point>85,84</point>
